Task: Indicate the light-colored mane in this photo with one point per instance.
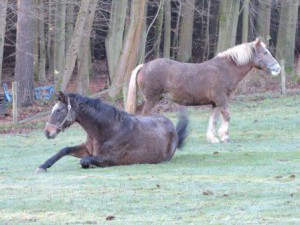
(240, 54)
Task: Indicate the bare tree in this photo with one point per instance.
(84, 52)
(245, 21)
(70, 21)
(228, 19)
(24, 70)
(158, 28)
(49, 46)
(186, 31)
(264, 19)
(75, 44)
(128, 58)
(59, 42)
(3, 9)
(287, 33)
(167, 28)
(114, 40)
(42, 48)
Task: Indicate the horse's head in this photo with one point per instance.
(263, 59)
(62, 116)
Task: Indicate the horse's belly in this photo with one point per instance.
(188, 99)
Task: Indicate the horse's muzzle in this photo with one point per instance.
(275, 70)
(50, 135)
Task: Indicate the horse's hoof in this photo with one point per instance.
(213, 140)
(85, 163)
(40, 170)
(226, 141)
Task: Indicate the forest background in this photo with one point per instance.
(91, 46)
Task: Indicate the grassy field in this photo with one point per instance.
(255, 179)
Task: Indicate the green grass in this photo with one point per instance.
(255, 179)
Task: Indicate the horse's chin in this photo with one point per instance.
(274, 73)
(51, 137)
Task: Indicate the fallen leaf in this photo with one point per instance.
(208, 192)
(110, 217)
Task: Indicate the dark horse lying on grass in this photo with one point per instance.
(208, 83)
(114, 137)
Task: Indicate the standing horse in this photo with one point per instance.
(114, 137)
(208, 83)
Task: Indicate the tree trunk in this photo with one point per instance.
(83, 57)
(129, 55)
(42, 51)
(167, 28)
(176, 32)
(24, 70)
(245, 21)
(264, 20)
(287, 33)
(142, 46)
(207, 38)
(59, 45)
(3, 10)
(70, 21)
(158, 28)
(186, 31)
(228, 19)
(36, 39)
(114, 40)
(75, 44)
(49, 46)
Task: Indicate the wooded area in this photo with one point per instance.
(60, 42)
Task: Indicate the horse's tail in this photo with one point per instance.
(132, 91)
(181, 128)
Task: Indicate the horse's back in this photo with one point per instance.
(184, 83)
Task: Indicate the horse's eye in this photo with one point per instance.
(265, 52)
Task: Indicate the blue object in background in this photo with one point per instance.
(7, 95)
(44, 92)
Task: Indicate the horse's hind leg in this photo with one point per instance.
(100, 161)
(224, 129)
(212, 123)
(149, 104)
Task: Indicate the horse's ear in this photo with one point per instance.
(61, 96)
(258, 42)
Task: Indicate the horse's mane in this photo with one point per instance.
(240, 54)
(97, 105)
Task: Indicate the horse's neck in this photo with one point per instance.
(96, 124)
(238, 71)
(242, 71)
(89, 124)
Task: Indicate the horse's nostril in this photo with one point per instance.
(47, 134)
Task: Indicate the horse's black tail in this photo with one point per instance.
(181, 127)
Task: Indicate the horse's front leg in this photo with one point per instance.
(224, 129)
(212, 123)
(77, 151)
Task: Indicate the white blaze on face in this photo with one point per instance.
(55, 107)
